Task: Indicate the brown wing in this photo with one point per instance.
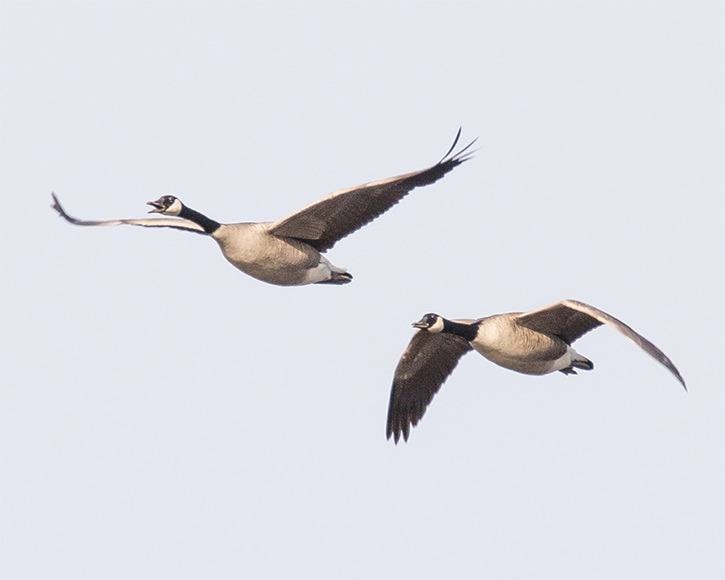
(561, 320)
(327, 221)
(423, 368)
(164, 222)
(571, 319)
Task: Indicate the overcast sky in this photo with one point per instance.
(162, 415)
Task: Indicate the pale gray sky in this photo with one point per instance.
(164, 416)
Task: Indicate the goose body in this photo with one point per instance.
(504, 341)
(288, 252)
(256, 251)
(537, 342)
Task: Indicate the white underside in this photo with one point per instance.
(565, 360)
(322, 272)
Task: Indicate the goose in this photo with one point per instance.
(288, 252)
(537, 342)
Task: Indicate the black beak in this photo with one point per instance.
(157, 207)
(420, 324)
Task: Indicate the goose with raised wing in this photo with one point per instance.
(534, 343)
(288, 252)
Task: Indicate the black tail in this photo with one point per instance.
(579, 363)
(583, 363)
(338, 278)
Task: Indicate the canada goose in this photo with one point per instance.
(288, 252)
(534, 343)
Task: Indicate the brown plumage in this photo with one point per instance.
(536, 342)
(423, 368)
(325, 222)
(288, 252)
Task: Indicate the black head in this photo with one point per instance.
(430, 322)
(166, 204)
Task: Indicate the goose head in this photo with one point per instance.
(166, 204)
(430, 322)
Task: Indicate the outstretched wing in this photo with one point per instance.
(425, 365)
(166, 222)
(327, 221)
(571, 319)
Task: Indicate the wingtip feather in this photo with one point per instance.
(453, 146)
(682, 381)
(56, 203)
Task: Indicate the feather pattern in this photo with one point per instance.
(288, 252)
(165, 222)
(325, 222)
(537, 342)
(425, 365)
(571, 319)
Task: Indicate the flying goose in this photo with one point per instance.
(534, 343)
(288, 252)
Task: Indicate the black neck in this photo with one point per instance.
(467, 331)
(209, 225)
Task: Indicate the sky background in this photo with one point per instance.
(162, 415)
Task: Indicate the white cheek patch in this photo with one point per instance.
(174, 208)
(437, 326)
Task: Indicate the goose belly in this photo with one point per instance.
(279, 261)
(529, 365)
(522, 350)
